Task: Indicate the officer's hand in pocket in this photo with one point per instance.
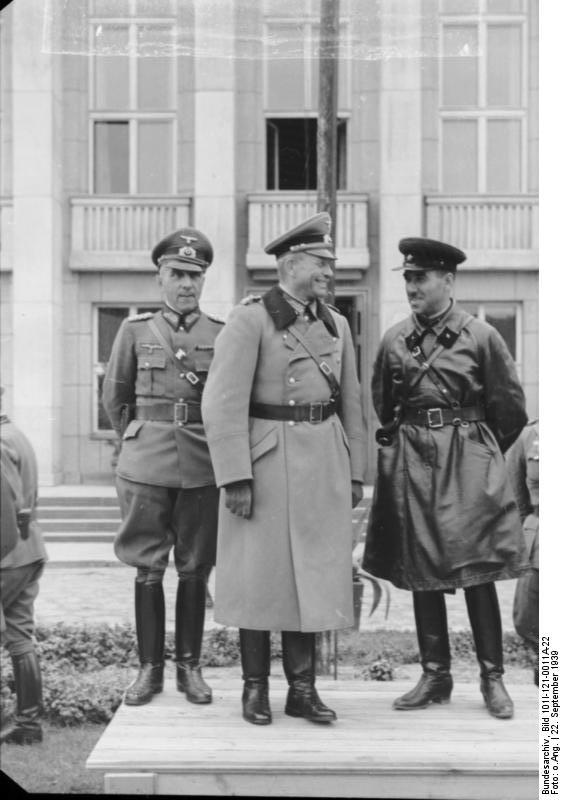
(239, 497)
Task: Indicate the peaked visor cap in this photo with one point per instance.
(422, 254)
(186, 245)
(312, 236)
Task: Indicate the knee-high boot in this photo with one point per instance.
(255, 651)
(299, 662)
(190, 606)
(435, 684)
(150, 631)
(26, 725)
(485, 618)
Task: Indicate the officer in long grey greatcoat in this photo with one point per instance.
(285, 430)
(447, 394)
(152, 395)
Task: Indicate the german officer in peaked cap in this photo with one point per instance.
(447, 395)
(165, 482)
(285, 430)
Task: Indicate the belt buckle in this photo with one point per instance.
(180, 413)
(439, 421)
(316, 413)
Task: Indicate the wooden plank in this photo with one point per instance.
(370, 751)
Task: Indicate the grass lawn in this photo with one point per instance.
(57, 765)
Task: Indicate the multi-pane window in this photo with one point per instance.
(292, 95)
(483, 91)
(292, 65)
(107, 320)
(133, 96)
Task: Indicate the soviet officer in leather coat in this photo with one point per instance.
(165, 482)
(450, 403)
(285, 430)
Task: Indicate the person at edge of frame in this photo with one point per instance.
(523, 462)
(285, 429)
(165, 483)
(23, 561)
(443, 516)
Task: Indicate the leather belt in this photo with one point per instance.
(305, 412)
(180, 413)
(437, 417)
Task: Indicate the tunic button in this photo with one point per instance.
(291, 402)
(334, 338)
(181, 374)
(146, 363)
(180, 424)
(292, 380)
(291, 423)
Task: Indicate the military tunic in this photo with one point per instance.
(159, 455)
(288, 567)
(140, 373)
(443, 514)
(22, 567)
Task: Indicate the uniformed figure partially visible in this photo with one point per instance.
(20, 572)
(165, 482)
(285, 430)
(450, 403)
(523, 461)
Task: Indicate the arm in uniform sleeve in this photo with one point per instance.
(381, 385)
(120, 379)
(516, 464)
(12, 500)
(225, 402)
(505, 406)
(351, 408)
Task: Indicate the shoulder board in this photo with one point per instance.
(332, 308)
(251, 298)
(212, 318)
(139, 317)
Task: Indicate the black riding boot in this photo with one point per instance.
(150, 631)
(189, 627)
(435, 684)
(255, 650)
(26, 725)
(299, 662)
(485, 618)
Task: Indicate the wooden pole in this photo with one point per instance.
(327, 196)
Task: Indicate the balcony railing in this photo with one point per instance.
(273, 213)
(118, 231)
(6, 224)
(495, 231)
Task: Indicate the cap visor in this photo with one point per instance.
(182, 264)
(411, 268)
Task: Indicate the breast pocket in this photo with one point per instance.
(151, 369)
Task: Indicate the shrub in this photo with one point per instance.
(378, 671)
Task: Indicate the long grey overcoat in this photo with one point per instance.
(289, 566)
(444, 513)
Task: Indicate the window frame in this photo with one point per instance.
(133, 115)
(308, 21)
(482, 113)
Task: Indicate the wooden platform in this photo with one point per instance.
(451, 752)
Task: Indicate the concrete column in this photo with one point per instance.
(214, 195)
(400, 143)
(37, 237)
